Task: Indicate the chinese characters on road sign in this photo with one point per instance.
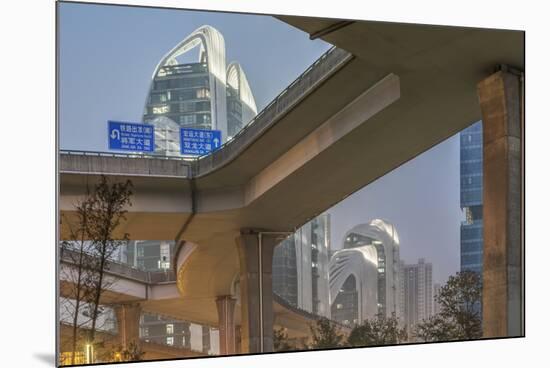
(140, 137)
(199, 142)
(131, 136)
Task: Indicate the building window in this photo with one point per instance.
(188, 119)
(170, 340)
(161, 109)
(187, 106)
(170, 330)
(203, 93)
(145, 331)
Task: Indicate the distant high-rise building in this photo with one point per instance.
(300, 267)
(364, 274)
(416, 292)
(149, 255)
(206, 94)
(471, 198)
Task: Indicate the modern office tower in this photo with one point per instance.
(206, 94)
(417, 292)
(241, 107)
(364, 274)
(300, 267)
(437, 306)
(471, 198)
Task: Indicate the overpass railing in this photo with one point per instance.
(319, 71)
(301, 87)
(122, 270)
(124, 155)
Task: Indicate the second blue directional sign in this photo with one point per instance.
(126, 136)
(199, 142)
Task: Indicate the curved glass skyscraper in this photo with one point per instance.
(364, 275)
(206, 94)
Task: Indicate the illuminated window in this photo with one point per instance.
(161, 109)
(203, 93)
(170, 330)
(170, 340)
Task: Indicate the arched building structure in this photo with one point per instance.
(364, 274)
(196, 95)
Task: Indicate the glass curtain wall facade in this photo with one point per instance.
(300, 267)
(471, 198)
(181, 93)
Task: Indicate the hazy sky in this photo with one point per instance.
(107, 57)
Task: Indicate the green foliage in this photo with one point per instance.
(377, 331)
(325, 335)
(280, 340)
(132, 352)
(459, 318)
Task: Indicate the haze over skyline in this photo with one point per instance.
(107, 56)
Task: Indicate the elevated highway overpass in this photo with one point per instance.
(140, 291)
(388, 93)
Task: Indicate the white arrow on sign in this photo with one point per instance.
(216, 141)
(115, 134)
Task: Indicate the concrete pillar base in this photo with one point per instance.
(256, 327)
(128, 316)
(226, 321)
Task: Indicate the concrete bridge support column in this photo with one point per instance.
(238, 339)
(256, 311)
(226, 323)
(128, 316)
(501, 101)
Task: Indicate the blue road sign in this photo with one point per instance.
(199, 141)
(126, 136)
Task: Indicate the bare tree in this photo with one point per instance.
(107, 209)
(86, 254)
(79, 274)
